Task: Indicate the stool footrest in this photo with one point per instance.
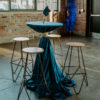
(14, 60)
(59, 54)
(17, 64)
(75, 73)
(73, 66)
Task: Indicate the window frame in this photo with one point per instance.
(35, 9)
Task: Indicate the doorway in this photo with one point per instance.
(95, 19)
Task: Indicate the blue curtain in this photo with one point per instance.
(56, 81)
(70, 15)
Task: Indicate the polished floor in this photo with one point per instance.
(9, 90)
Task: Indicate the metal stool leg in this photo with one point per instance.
(25, 70)
(78, 64)
(77, 92)
(20, 90)
(21, 50)
(31, 57)
(43, 74)
(84, 73)
(17, 65)
(79, 67)
(16, 71)
(61, 52)
(24, 78)
(21, 60)
(13, 51)
(70, 62)
(12, 61)
(53, 41)
(66, 59)
(86, 80)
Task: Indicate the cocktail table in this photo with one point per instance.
(56, 81)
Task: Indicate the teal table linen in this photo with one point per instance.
(57, 83)
(44, 27)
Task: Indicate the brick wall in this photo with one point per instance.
(12, 24)
(80, 25)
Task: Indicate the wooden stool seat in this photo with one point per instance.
(21, 39)
(75, 44)
(54, 36)
(33, 50)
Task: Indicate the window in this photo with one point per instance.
(22, 4)
(53, 4)
(41, 4)
(6, 5)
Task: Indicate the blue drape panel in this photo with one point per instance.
(56, 81)
(70, 21)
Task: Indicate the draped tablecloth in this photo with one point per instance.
(57, 83)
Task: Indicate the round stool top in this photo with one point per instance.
(21, 39)
(75, 44)
(33, 50)
(54, 36)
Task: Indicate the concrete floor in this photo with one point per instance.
(9, 90)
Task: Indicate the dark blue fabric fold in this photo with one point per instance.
(70, 21)
(56, 81)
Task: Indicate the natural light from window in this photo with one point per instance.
(6, 5)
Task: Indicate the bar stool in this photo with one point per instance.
(30, 50)
(80, 68)
(17, 62)
(53, 37)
